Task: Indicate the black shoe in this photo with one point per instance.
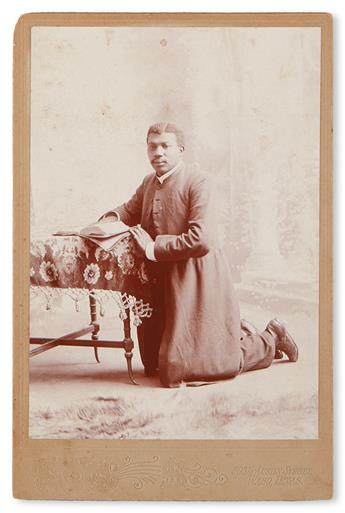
(250, 329)
(278, 355)
(285, 342)
(150, 372)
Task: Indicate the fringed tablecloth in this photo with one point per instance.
(77, 267)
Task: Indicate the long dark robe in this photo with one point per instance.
(198, 326)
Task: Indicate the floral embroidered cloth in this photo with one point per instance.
(79, 265)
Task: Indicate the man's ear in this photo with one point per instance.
(181, 148)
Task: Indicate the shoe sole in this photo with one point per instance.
(289, 339)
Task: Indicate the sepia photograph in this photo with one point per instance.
(174, 232)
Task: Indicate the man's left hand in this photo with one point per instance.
(141, 236)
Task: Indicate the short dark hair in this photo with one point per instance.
(164, 127)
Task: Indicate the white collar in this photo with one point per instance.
(162, 178)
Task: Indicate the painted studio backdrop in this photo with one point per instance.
(248, 100)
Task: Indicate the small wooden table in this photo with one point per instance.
(74, 264)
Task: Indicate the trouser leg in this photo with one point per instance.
(151, 330)
(149, 337)
(257, 351)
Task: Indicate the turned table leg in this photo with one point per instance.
(128, 345)
(93, 313)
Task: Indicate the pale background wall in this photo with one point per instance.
(248, 99)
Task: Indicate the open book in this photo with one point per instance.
(105, 234)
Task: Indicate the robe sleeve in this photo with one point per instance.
(129, 212)
(196, 241)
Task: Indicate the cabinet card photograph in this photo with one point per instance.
(173, 211)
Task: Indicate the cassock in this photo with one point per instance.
(194, 334)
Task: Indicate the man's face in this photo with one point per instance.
(163, 152)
